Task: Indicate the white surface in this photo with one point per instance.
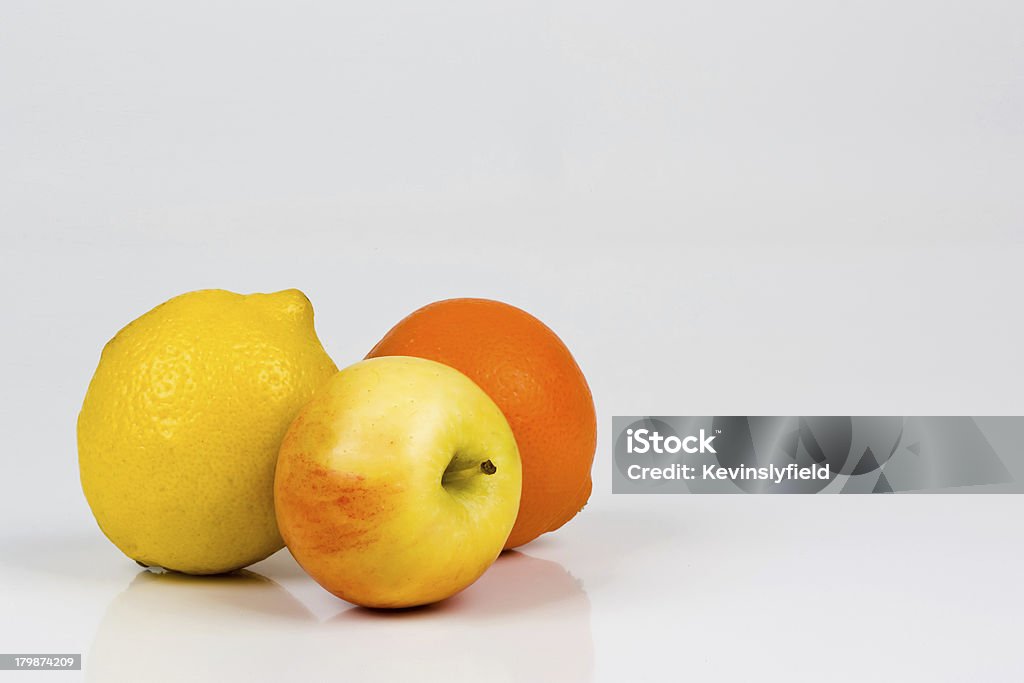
(723, 208)
(713, 588)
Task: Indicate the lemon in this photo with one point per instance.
(181, 424)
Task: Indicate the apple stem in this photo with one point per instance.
(462, 474)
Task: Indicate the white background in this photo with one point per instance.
(722, 207)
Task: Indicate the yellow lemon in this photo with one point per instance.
(180, 428)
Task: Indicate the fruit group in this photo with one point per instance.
(180, 427)
(398, 483)
(535, 381)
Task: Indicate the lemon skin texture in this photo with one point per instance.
(180, 427)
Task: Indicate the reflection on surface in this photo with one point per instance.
(174, 627)
(526, 619)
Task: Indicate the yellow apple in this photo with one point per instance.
(398, 483)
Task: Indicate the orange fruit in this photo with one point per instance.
(530, 374)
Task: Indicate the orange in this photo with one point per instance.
(530, 374)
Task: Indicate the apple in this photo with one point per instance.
(398, 483)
